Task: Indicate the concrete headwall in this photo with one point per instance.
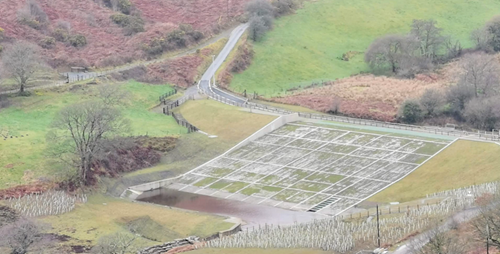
(134, 191)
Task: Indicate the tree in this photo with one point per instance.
(19, 236)
(488, 222)
(439, 243)
(482, 39)
(283, 7)
(385, 52)
(410, 111)
(21, 61)
(257, 28)
(112, 95)
(118, 243)
(431, 101)
(259, 8)
(458, 96)
(82, 128)
(493, 29)
(429, 36)
(483, 113)
(480, 71)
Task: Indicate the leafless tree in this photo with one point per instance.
(33, 11)
(82, 127)
(483, 113)
(257, 28)
(458, 96)
(385, 51)
(439, 243)
(20, 62)
(431, 101)
(283, 7)
(493, 29)
(20, 236)
(118, 243)
(453, 47)
(482, 39)
(488, 223)
(112, 95)
(396, 52)
(480, 71)
(428, 35)
(259, 8)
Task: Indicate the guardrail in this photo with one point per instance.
(163, 98)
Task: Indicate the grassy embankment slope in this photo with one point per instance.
(230, 124)
(305, 47)
(23, 159)
(103, 216)
(462, 164)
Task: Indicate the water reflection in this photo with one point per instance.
(251, 214)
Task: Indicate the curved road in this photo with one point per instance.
(205, 84)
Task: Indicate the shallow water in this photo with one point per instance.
(252, 214)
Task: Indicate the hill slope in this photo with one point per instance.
(305, 47)
(92, 19)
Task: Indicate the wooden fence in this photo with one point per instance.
(163, 97)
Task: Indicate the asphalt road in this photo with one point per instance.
(205, 83)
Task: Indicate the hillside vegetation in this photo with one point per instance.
(307, 47)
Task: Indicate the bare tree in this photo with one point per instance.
(259, 8)
(20, 236)
(431, 101)
(488, 223)
(20, 62)
(257, 28)
(453, 47)
(439, 243)
(480, 71)
(112, 95)
(118, 243)
(458, 96)
(493, 29)
(483, 113)
(429, 36)
(283, 7)
(482, 39)
(83, 127)
(385, 52)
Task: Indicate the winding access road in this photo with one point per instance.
(205, 84)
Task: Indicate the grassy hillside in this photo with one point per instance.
(462, 164)
(305, 47)
(25, 158)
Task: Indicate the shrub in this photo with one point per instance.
(2, 34)
(60, 35)
(63, 24)
(243, 58)
(257, 28)
(48, 42)
(33, 15)
(77, 40)
(431, 101)
(483, 113)
(283, 7)
(125, 6)
(131, 24)
(410, 112)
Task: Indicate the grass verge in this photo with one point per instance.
(462, 164)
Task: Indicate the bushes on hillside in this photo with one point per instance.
(47, 42)
(131, 24)
(284, 7)
(177, 38)
(33, 15)
(475, 99)
(60, 35)
(77, 40)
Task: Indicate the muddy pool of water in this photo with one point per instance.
(252, 214)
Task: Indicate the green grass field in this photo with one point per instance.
(23, 159)
(305, 47)
(462, 164)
